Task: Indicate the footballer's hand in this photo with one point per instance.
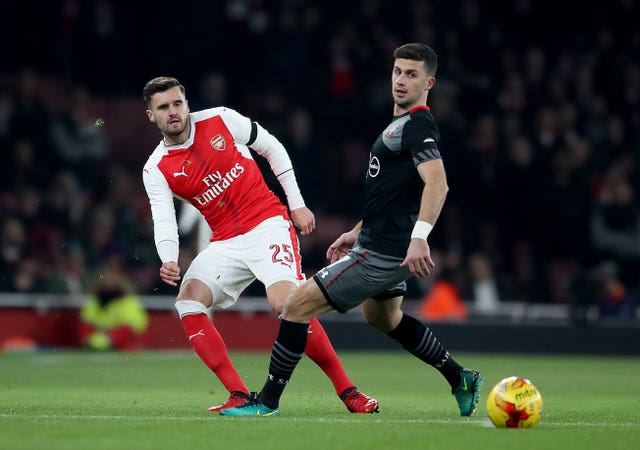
(304, 219)
(170, 273)
(418, 258)
(341, 246)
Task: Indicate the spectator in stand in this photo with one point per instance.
(483, 285)
(614, 299)
(27, 278)
(615, 227)
(13, 251)
(113, 318)
(28, 170)
(79, 144)
(30, 117)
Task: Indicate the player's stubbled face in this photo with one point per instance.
(408, 83)
(170, 111)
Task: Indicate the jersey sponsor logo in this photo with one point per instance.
(374, 166)
(216, 183)
(218, 143)
(182, 173)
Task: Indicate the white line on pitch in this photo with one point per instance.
(480, 422)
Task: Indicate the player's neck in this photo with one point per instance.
(400, 110)
(178, 139)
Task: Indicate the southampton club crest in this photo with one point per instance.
(218, 142)
(391, 129)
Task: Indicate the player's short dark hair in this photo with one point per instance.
(159, 84)
(419, 52)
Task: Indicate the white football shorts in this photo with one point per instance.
(270, 253)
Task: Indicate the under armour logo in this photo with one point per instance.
(199, 333)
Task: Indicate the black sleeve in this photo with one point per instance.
(422, 139)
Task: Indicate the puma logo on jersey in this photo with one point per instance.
(178, 174)
(183, 173)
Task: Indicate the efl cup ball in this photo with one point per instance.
(514, 403)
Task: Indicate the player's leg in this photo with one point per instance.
(301, 306)
(338, 286)
(419, 340)
(191, 304)
(215, 278)
(274, 258)
(320, 350)
(412, 334)
(305, 303)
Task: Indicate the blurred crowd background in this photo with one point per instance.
(538, 104)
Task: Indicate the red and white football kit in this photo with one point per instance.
(214, 171)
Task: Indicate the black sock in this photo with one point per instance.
(417, 338)
(287, 351)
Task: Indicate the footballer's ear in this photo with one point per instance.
(430, 82)
(150, 115)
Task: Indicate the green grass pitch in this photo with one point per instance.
(157, 400)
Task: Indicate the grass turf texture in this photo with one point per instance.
(157, 400)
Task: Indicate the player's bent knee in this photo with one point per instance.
(277, 307)
(196, 290)
(277, 294)
(305, 303)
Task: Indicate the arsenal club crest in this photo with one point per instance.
(218, 142)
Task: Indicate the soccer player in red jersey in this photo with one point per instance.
(204, 159)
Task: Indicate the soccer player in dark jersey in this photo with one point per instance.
(406, 186)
